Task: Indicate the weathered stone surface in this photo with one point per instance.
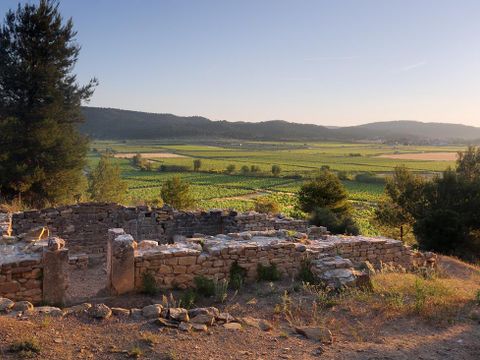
(212, 311)
(117, 311)
(77, 309)
(199, 327)
(48, 310)
(224, 317)
(5, 304)
(152, 311)
(205, 319)
(136, 314)
(320, 334)
(165, 323)
(55, 276)
(100, 311)
(257, 323)
(178, 314)
(35, 234)
(121, 264)
(184, 326)
(55, 243)
(147, 244)
(233, 326)
(22, 306)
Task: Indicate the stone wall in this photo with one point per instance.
(177, 265)
(85, 226)
(374, 250)
(22, 279)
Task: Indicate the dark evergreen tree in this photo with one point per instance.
(42, 154)
(326, 200)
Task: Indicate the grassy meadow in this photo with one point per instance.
(214, 188)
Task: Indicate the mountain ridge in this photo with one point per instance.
(117, 124)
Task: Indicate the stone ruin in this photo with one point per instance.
(174, 247)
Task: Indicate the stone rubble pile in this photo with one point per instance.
(334, 271)
(197, 319)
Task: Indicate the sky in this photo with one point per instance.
(336, 62)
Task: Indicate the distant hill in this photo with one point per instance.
(106, 123)
(124, 124)
(411, 129)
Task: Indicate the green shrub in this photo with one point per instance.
(267, 273)
(173, 168)
(221, 292)
(276, 170)
(135, 352)
(237, 276)
(305, 274)
(204, 286)
(245, 170)
(26, 348)
(477, 297)
(187, 299)
(149, 284)
(230, 169)
(343, 175)
(266, 205)
(254, 169)
(369, 178)
(335, 223)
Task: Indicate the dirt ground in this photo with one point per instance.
(434, 156)
(360, 330)
(86, 283)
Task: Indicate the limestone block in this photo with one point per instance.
(121, 265)
(55, 276)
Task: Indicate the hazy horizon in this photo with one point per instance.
(319, 62)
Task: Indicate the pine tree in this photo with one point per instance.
(105, 183)
(176, 192)
(42, 153)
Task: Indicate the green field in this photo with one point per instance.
(213, 188)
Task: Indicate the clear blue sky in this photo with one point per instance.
(335, 62)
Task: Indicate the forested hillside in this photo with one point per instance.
(102, 123)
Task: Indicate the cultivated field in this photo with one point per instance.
(214, 188)
(436, 156)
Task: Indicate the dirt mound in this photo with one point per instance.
(457, 268)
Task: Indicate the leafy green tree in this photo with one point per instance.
(105, 183)
(197, 164)
(244, 170)
(325, 191)
(137, 159)
(230, 169)
(141, 163)
(326, 199)
(406, 190)
(449, 221)
(276, 170)
(42, 154)
(254, 169)
(468, 164)
(404, 194)
(176, 193)
(443, 211)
